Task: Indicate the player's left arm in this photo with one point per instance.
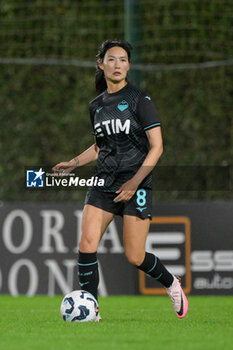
(127, 190)
(156, 149)
(149, 119)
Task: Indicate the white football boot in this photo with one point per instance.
(178, 298)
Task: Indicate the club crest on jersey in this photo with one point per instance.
(123, 105)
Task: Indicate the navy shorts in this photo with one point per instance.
(140, 205)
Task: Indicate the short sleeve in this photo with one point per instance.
(147, 112)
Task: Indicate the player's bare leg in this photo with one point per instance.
(135, 233)
(94, 224)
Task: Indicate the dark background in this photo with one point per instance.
(183, 52)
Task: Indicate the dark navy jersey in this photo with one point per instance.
(119, 122)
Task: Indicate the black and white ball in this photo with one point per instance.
(79, 306)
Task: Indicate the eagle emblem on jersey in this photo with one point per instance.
(123, 105)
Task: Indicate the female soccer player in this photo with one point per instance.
(128, 144)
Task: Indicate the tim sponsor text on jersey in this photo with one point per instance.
(112, 126)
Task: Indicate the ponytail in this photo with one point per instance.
(100, 82)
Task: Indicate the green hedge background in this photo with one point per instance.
(44, 115)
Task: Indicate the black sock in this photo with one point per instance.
(88, 272)
(152, 266)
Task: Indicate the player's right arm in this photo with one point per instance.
(88, 156)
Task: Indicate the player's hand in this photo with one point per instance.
(126, 191)
(63, 168)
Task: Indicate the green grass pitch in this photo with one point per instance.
(129, 322)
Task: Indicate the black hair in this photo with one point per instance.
(100, 82)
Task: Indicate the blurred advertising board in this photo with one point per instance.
(38, 249)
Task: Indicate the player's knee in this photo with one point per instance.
(87, 244)
(134, 258)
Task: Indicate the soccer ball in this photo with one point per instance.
(79, 306)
